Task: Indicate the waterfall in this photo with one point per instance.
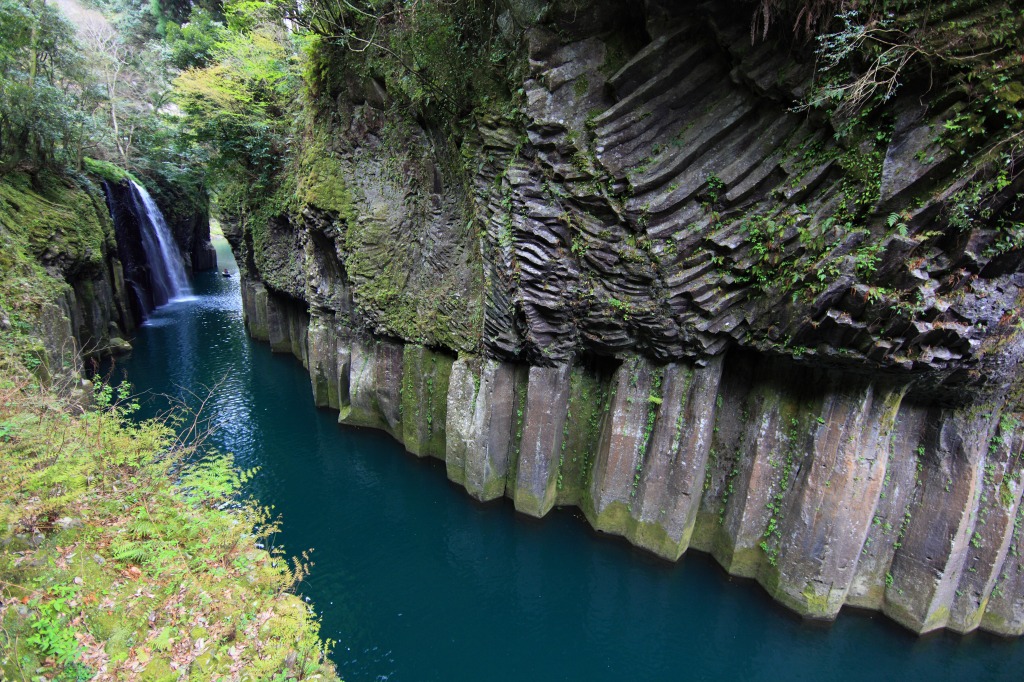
(167, 271)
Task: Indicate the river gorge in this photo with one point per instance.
(579, 340)
(417, 581)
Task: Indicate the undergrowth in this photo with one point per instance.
(119, 560)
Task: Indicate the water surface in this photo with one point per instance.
(419, 583)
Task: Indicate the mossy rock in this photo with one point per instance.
(56, 221)
(321, 183)
(108, 171)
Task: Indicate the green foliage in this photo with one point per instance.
(40, 116)
(772, 535)
(973, 48)
(194, 43)
(895, 220)
(972, 209)
(52, 635)
(72, 89)
(122, 513)
(866, 260)
(434, 63)
(236, 107)
(715, 189)
(771, 266)
(439, 57)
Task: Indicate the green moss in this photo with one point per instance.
(512, 475)
(614, 518)
(354, 413)
(54, 216)
(994, 621)
(587, 394)
(390, 291)
(810, 602)
(494, 487)
(705, 529)
(425, 378)
(936, 619)
(654, 537)
(321, 182)
(456, 475)
(617, 519)
(531, 505)
(744, 561)
(109, 171)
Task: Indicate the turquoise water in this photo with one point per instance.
(417, 582)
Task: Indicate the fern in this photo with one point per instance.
(211, 480)
(143, 529)
(896, 220)
(128, 551)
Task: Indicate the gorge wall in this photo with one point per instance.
(643, 285)
(828, 490)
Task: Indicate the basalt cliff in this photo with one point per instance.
(647, 282)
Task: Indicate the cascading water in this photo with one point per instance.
(167, 271)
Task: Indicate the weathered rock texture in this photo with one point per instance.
(646, 287)
(826, 489)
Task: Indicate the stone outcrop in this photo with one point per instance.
(646, 287)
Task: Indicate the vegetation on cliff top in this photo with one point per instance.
(77, 83)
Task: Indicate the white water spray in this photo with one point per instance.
(167, 271)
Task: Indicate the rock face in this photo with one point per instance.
(649, 289)
(827, 490)
(84, 308)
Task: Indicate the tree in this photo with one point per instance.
(431, 54)
(236, 105)
(40, 74)
(192, 45)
